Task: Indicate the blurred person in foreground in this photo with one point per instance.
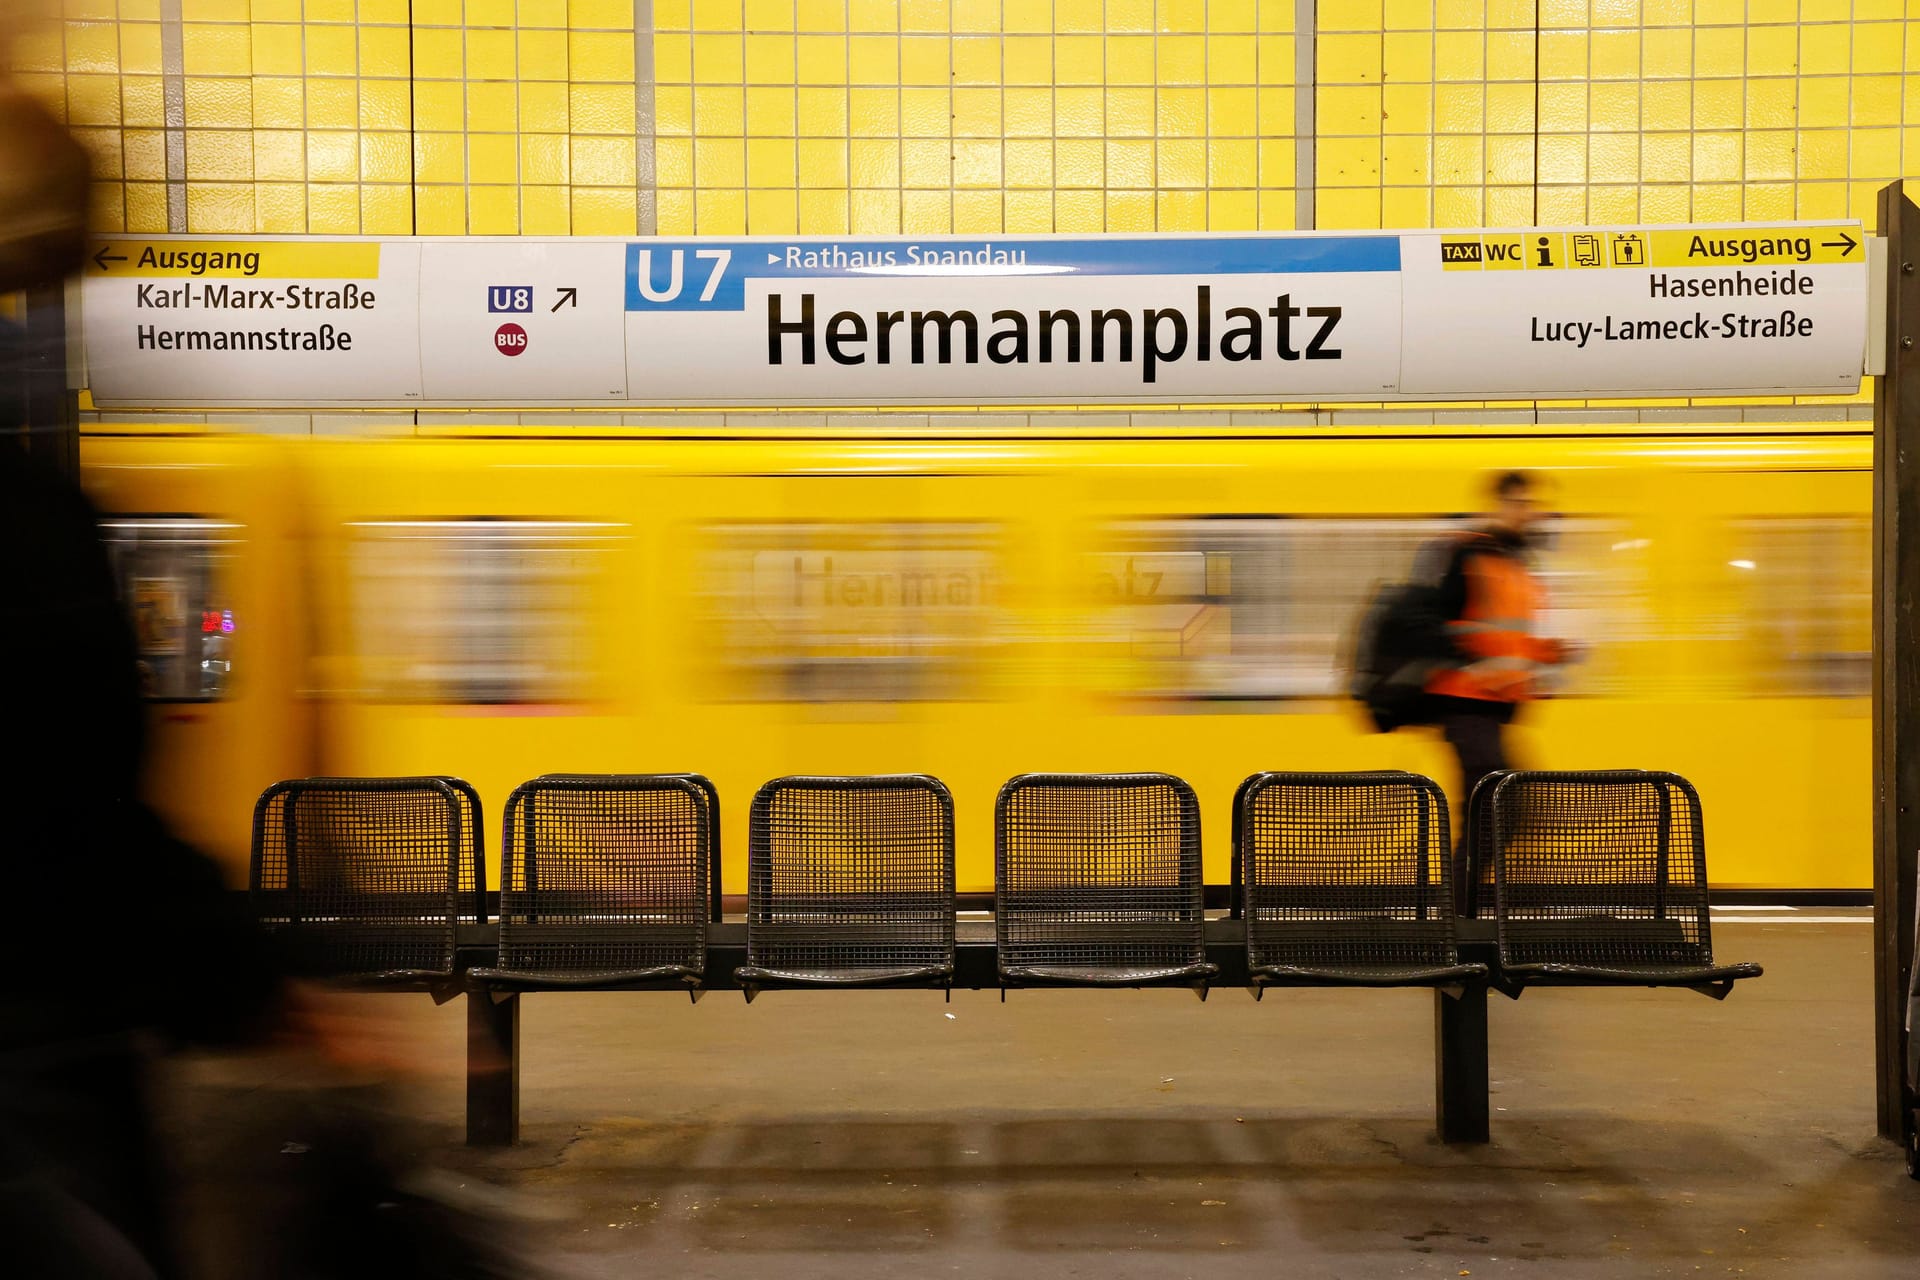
(1492, 604)
(121, 939)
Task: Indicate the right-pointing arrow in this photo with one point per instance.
(773, 259)
(1846, 244)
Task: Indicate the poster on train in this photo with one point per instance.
(949, 320)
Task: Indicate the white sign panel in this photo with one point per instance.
(949, 320)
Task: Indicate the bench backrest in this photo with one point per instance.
(366, 876)
(1345, 869)
(1098, 871)
(851, 873)
(1599, 868)
(606, 874)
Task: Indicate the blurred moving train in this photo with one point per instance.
(498, 608)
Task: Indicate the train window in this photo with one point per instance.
(172, 574)
(831, 612)
(474, 611)
(1265, 607)
(1807, 589)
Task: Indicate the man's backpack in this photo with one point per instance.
(1402, 641)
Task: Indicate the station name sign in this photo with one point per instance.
(1430, 315)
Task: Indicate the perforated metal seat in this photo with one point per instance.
(607, 882)
(1473, 873)
(1097, 881)
(364, 880)
(850, 883)
(1345, 878)
(1600, 879)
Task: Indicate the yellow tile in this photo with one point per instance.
(873, 162)
(1876, 154)
(1406, 106)
(1278, 162)
(1876, 101)
(1129, 164)
(542, 55)
(875, 212)
(140, 50)
(1562, 206)
(386, 210)
(332, 51)
(226, 103)
(1026, 112)
(219, 206)
(823, 112)
(439, 157)
(1821, 200)
(545, 211)
(926, 212)
(1181, 211)
(1823, 102)
(823, 59)
(385, 157)
(1347, 111)
(770, 112)
(1347, 162)
(1180, 59)
(823, 213)
(1181, 113)
(716, 15)
(717, 59)
(1275, 57)
(1717, 203)
(1181, 162)
(823, 162)
(280, 208)
(1822, 154)
(873, 15)
(603, 211)
(1458, 55)
(672, 58)
(772, 213)
(925, 162)
(385, 104)
(492, 158)
(1614, 204)
(1129, 113)
(143, 154)
(1615, 55)
(1079, 60)
(717, 162)
(1406, 161)
(1130, 211)
(1666, 157)
(276, 50)
(490, 55)
(1509, 206)
(1232, 113)
(1407, 57)
(1028, 163)
(44, 49)
(873, 60)
(1232, 59)
(1459, 108)
(1563, 55)
(333, 156)
(1129, 60)
(618, 14)
(594, 108)
(673, 162)
(543, 158)
(1233, 162)
(672, 110)
(975, 113)
(976, 163)
(493, 211)
(1027, 212)
(1772, 104)
(543, 109)
(1511, 107)
(219, 155)
(770, 162)
(1663, 105)
(492, 107)
(93, 100)
(385, 52)
(1458, 161)
(1082, 162)
(1079, 211)
(1510, 55)
(1876, 46)
(1278, 210)
(719, 108)
(1666, 54)
(975, 15)
(277, 103)
(1771, 51)
(437, 211)
(1824, 48)
(147, 206)
(1718, 104)
(925, 60)
(1027, 60)
(1347, 209)
(1233, 211)
(426, 13)
(606, 57)
(1563, 13)
(1716, 157)
(925, 113)
(1406, 207)
(873, 113)
(438, 54)
(218, 50)
(1613, 158)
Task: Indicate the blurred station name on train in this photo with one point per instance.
(1587, 312)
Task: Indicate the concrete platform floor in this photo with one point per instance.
(1121, 1134)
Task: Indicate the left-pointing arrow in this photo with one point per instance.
(102, 258)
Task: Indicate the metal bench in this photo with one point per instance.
(606, 883)
(849, 883)
(1600, 879)
(1345, 879)
(366, 880)
(1097, 881)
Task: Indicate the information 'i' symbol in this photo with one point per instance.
(1545, 252)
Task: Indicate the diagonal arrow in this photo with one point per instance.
(1846, 244)
(569, 297)
(102, 258)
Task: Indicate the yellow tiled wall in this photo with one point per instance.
(724, 116)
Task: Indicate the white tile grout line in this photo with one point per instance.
(1305, 40)
(173, 84)
(646, 184)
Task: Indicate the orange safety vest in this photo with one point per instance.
(1496, 631)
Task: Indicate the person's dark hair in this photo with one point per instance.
(1508, 483)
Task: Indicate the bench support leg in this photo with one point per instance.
(1461, 1097)
(493, 1069)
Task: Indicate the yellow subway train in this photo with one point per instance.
(498, 608)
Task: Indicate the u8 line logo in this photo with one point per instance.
(509, 297)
